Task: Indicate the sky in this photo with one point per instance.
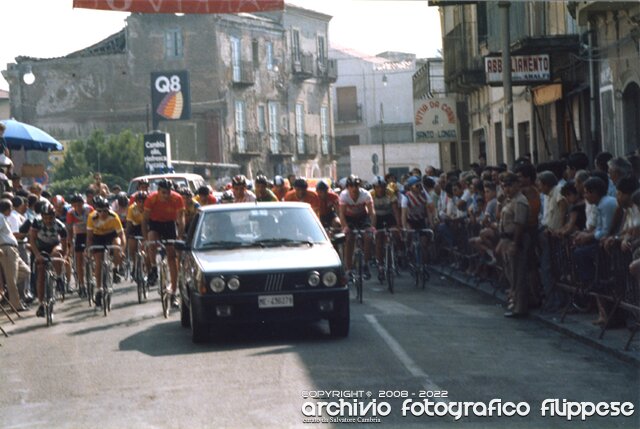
(52, 28)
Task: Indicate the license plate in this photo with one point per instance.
(275, 301)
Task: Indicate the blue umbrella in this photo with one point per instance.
(24, 136)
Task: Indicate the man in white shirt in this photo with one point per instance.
(13, 267)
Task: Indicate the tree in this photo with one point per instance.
(117, 157)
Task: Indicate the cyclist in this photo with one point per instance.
(329, 206)
(417, 210)
(240, 192)
(191, 206)
(385, 203)
(143, 185)
(47, 234)
(356, 212)
(103, 229)
(61, 207)
(77, 217)
(263, 193)
(135, 213)
(280, 187)
(204, 196)
(120, 206)
(300, 193)
(163, 214)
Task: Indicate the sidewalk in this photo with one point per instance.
(577, 326)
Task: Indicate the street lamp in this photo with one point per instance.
(384, 161)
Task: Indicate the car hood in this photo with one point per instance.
(267, 259)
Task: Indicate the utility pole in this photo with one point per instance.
(506, 81)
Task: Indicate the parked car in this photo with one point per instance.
(192, 181)
(261, 262)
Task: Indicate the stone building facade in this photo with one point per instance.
(259, 86)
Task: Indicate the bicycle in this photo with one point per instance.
(51, 284)
(164, 278)
(418, 267)
(390, 267)
(139, 271)
(107, 278)
(358, 258)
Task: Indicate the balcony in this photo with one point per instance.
(349, 116)
(328, 70)
(463, 70)
(280, 146)
(247, 145)
(327, 144)
(242, 75)
(584, 10)
(302, 67)
(307, 147)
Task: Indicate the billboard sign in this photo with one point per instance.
(157, 153)
(170, 97)
(524, 69)
(435, 120)
(182, 6)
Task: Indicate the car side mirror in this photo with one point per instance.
(338, 238)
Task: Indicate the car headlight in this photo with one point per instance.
(233, 283)
(314, 279)
(217, 284)
(329, 279)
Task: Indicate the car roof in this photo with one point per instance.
(249, 206)
(169, 176)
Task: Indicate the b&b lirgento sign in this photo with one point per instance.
(157, 153)
(524, 69)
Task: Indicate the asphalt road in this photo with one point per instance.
(135, 369)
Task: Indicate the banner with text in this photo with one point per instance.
(182, 6)
(436, 120)
(157, 153)
(524, 69)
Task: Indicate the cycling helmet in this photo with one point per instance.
(123, 199)
(412, 180)
(227, 197)
(143, 182)
(204, 190)
(100, 202)
(262, 179)
(300, 182)
(278, 181)
(76, 198)
(239, 180)
(353, 180)
(378, 181)
(322, 185)
(141, 195)
(57, 200)
(164, 184)
(48, 209)
(186, 192)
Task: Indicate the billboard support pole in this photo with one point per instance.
(506, 77)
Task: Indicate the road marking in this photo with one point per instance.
(402, 355)
(392, 307)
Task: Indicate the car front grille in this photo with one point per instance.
(274, 282)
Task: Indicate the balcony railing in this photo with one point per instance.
(463, 66)
(249, 144)
(351, 116)
(328, 70)
(242, 74)
(302, 67)
(280, 145)
(307, 146)
(327, 145)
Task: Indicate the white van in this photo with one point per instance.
(190, 180)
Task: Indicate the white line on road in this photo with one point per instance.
(402, 355)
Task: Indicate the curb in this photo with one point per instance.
(552, 321)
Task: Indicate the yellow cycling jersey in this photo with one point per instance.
(104, 226)
(135, 213)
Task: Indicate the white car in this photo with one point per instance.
(190, 180)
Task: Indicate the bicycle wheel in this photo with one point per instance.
(417, 260)
(389, 267)
(48, 297)
(163, 283)
(359, 275)
(89, 281)
(138, 278)
(105, 299)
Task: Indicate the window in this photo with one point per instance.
(270, 62)
(274, 139)
(321, 50)
(300, 127)
(235, 58)
(256, 54)
(295, 45)
(240, 126)
(324, 129)
(262, 126)
(347, 104)
(173, 43)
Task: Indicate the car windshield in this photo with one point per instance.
(264, 227)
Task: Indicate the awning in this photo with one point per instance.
(547, 94)
(182, 6)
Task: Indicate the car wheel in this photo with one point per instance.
(185, 316)
(339, 325)
(197, 331)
